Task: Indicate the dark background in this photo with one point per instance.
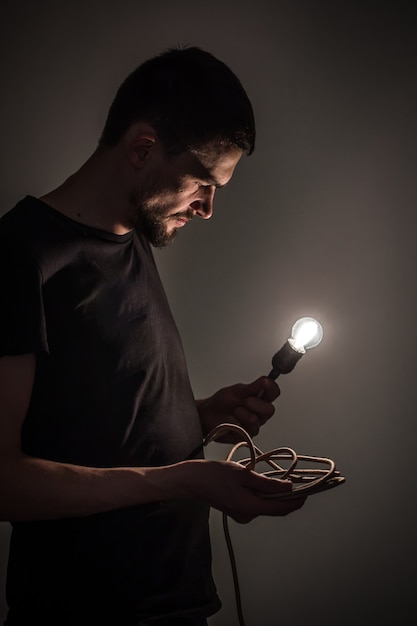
(321, 221)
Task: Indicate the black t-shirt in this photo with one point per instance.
(111, 389)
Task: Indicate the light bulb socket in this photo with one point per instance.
(284, 360)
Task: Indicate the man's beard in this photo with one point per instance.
(152, 219)
(153, 225)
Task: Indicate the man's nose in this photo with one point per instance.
(204, 206)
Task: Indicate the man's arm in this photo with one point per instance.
(34, 489)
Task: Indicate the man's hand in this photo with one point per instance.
(237, 491)
(247, 405)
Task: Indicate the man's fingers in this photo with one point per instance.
(248, 420)
(263, 387)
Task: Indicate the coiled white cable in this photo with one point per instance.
(306, 480)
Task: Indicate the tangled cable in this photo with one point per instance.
(284, 464)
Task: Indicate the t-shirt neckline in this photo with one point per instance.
(87, 230)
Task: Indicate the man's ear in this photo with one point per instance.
(140, 149)
(140, 143)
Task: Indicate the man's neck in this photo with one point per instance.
(94, 195)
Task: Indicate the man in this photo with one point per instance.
(102, 472)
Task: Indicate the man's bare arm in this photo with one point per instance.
(34, 489)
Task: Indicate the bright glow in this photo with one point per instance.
(305, 334)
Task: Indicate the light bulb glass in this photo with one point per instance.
(306, 333)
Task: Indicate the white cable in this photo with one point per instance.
(285, 465)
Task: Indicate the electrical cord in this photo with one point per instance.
(285, 464)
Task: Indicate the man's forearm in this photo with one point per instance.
(35, 489)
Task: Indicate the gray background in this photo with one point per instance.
(321, 221)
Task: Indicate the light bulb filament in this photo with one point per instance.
(305, 334)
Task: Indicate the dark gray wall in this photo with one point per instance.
(320, 220)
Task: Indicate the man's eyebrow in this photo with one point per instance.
(210, 180)
(215, 183)
(205, 175)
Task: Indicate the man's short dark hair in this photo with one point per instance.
(190, 97)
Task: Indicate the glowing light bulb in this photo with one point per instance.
(306, 333)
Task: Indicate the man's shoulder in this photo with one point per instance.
(31, 232)
(23, 214)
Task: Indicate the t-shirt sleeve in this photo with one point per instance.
(22, 319)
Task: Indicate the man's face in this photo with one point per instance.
(178, 188)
